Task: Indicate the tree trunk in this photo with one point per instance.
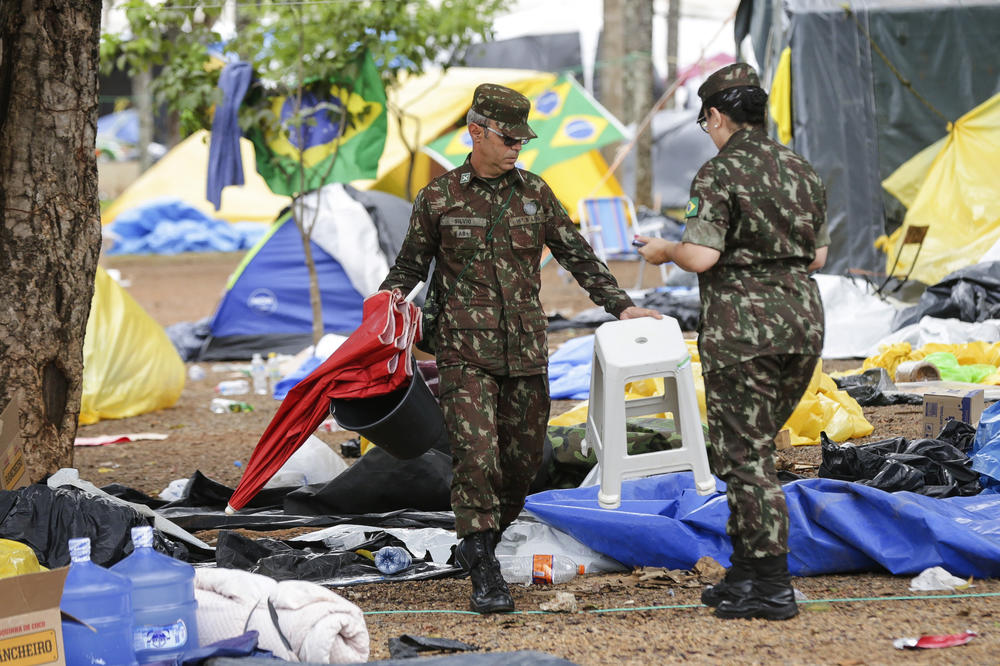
(611, 67)
(639, 94)
(50, 230)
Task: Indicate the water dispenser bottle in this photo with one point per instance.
(102, 599)
(164, 609)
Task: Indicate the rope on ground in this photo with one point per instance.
(841, 600)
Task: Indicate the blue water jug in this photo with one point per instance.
(102, 599)
(164, 610)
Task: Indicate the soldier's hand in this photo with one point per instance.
(634, 312)
(655, 250)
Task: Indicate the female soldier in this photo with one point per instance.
(756, 227)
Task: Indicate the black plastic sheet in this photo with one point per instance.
(202, 507)
(970, 294)
(932, 467)
(315, 562)
(47, 518)
(874, 388)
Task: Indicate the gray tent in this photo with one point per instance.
(679, 150)
(855, 118)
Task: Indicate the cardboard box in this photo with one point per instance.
(13, 472)
(30, 621)
(945, 404)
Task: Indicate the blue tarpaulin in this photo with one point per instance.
(835, 526)
(569, 369)
(168, 226)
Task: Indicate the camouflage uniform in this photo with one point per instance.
(761, 330)
(492, 350)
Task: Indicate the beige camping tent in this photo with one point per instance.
(183, 172)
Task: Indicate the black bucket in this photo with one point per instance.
(405, 423)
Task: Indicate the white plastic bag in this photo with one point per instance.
(937, 578)
(314, 462)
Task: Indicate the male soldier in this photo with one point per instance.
(485, 224)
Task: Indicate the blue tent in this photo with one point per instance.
(266, 305)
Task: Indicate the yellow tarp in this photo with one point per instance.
(823, 408)
(780, 98)
(958, 199)
(423, 107)
(130, 366)
(966, 353)
(183, 173)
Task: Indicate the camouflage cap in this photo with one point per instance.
(730, 76)
(507, 107)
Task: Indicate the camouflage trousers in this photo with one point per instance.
(496, 426)
(747, 405)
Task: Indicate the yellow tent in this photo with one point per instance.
(183, 172)
(952, 188)
(423, 107)
(130, 366)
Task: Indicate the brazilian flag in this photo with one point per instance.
(341, 141)
(567, 119)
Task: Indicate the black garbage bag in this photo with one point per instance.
(315, 562)
(959, 434)
(896, 475)
(927, 466)
(874, 388)
(47, 518)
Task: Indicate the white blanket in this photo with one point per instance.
(296, 620)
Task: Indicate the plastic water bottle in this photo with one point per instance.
(222, 406)
(392, 559)
(539, 569)
(233, 387)
(164, 609)
(196, 373)
(102, 599)
(273, 369)
(258, 373)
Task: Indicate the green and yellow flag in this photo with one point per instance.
(568, 122)
(341, 141)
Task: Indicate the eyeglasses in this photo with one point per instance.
(508, 141)
(703, 124)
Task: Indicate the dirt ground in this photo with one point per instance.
(622, 618)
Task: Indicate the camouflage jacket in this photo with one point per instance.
(493, 318)
(764, 208)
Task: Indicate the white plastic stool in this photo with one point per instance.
(626, 351)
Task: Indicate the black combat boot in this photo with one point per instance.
(771, 596)
(489, 589)
(737, 582)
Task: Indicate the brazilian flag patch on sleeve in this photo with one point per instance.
(692, 207)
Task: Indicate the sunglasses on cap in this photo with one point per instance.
(508, 141)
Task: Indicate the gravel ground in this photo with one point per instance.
(641, 617)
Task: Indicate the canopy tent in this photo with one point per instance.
(872, 83)
(182, 174)
(356, 236)
(680, 148)
(130, 366)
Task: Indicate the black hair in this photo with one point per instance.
(743, 104)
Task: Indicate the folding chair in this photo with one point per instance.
(609, 224)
